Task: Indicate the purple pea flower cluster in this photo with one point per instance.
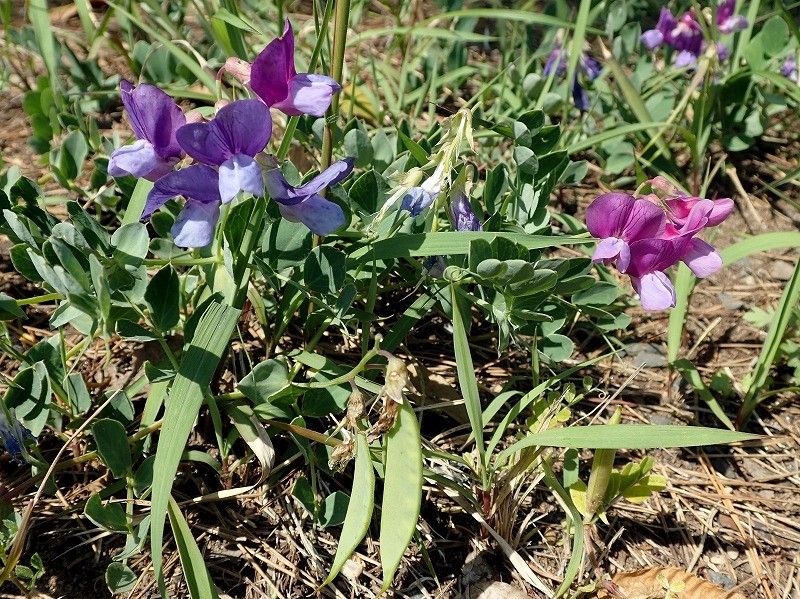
(587, 65)
(685, 35)
(225, 148)
(644, 236)
(789, 69)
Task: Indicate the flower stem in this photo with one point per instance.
(340, 22)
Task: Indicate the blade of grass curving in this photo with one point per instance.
(684, 283)
(503, 14)
(194, 567)
(43, 31)
(87, 21)
(777, 329)
(359, 510)
(743, 38)
(466, 377)
(763, 242)
(627, 436)
(578, 39)
(608, 134)
(181, 56)
(453, 243)
(421, 306)
(197, 367)
(692, 376)
(136, 204)
(402, 491)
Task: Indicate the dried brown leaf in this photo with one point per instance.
(665, 583)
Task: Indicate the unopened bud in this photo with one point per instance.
(396, 379)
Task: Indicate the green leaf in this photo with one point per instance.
(324, 269)
(78, 395)
(120, 578)
(29, 395)
(334, 509)
(163, 299)
(194, 567)
(9, 310)
(359, 509)
(134, 331)
(775, 35)
(131, 244)
(627, 436)
(112, 445)
(402, 491)
(110, 516)
(452, 243)
(198, 364)
(264, 381)
(71, 155)
(136, 204)
(601, 294)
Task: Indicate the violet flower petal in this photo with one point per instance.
(194, 227)
(153, 116)
(612, 250)
(416, 200)
(274, 67)
(308, 94)
(200, 142)
(240, 173)
(463, 216)
(655, 291)
(621, 215)
(139, 159)
(315, 212)
(283, 193)
(702, 258)
(652, 39)
(579, 96)
(685, 58)
(242, 127)
(197, 182)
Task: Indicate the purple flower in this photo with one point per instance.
(689, 216)
(274, 79)
(619, 219)
(230, 140)
(461, 212)
(13, 434)
(727, 22)
(305, 204)
(154, 118)
(649, 259)
(195, 224)
(587, 65)
(789, 68)
(416, 200)
(662, 33)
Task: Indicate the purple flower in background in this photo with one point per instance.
(195, 224)
(789, 68)
(461, 212)
(274, 79)
(727, 22)
(13, 434)
(230, 140)
(619, 220)
(587, 65)
(305, 204)
(662, 33)
(154, 118)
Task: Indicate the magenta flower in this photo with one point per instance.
(649, 259)
(230, 141)
(727, 22)
(305, 204)
(274, 79)
(618, 220)
(154, 118)
(688, 217)
(195, 224)
(662, 33)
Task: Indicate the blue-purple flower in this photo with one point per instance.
(199, 185)
(230, 141)
(789, 69)
(727, 22)
(274, 79)
(415, 200)
(461, 212)
(13, 434)
(154, 118)
(304, 203)
(587, 65)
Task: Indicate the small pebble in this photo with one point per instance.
(722, 579)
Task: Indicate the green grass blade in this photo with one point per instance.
(684, 283)
(194, 567)
(180, 55)
(359, 510)
(777, 329)
(43, 31)
(136, 204)
(502, 14)
(744, 36)
(402, 491)
(578, 39)
(466, 374)
(186, 396)
(622, 130)
(764, 242)
(692, 376)
(452, 243)
(627, 436)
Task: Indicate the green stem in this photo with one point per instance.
(182, 262)
(39, 299)
(341, 19)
